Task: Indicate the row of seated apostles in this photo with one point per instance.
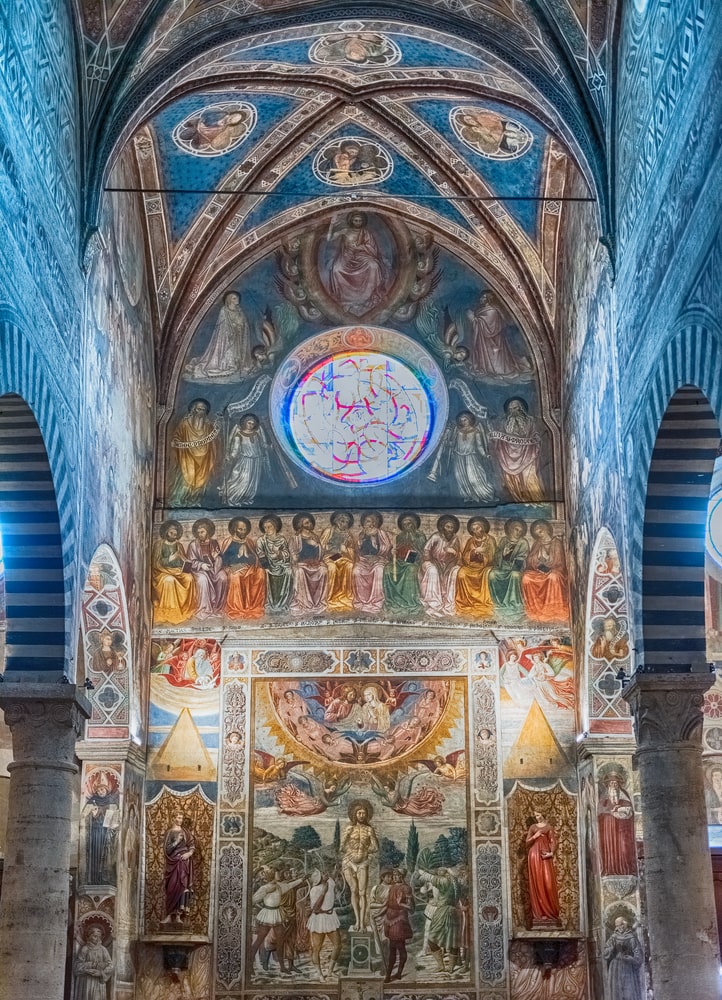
(340, 571)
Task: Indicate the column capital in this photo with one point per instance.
(667, 709)
(45, 721)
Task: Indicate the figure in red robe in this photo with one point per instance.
(541, 842)
(544, 584)
(615, 816)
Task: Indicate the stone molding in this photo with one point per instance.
(45, 721)
(667, 710)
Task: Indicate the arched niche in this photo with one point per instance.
(607, 642)
(107, 649)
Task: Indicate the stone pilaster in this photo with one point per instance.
(45, 720)
(667, 710)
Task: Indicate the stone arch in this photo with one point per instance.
(675, 518)
(36, 511)
(607, 645)
(32, 544)
(106, 648)
(691, 361)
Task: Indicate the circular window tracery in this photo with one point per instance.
(358, 405)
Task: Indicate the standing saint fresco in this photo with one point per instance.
(228, 355)
(275, 558)
(358, 274)
(206, 565)
(464, 454)
(101, 814)
(625, 960)
(93, 967)
(541, 843)
(401, 574)
(615, 818)
(440, 567)
(246, 579)
(195, 443)
(490, 355)
(358, 843)
(517, 444)
(473, 596)
(173, 586)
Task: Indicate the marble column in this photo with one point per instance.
(681, 920)
(45, 720)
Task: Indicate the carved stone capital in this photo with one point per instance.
(667, 709)
(45, 721)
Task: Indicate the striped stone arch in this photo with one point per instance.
(36, 512)
(670, 457)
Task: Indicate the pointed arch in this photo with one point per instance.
(675, 519)
(693, 359)
(107, 650)
(36, 511)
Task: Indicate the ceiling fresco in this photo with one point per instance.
(548, 33)
(251, 122)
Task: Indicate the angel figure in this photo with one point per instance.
(425, 801)
(267, 768)
(322, 793)
(248, 456)
(452, 766)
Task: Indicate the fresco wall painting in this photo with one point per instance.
(351, 565)
(608, 645)
(324, 782)
(358, 281)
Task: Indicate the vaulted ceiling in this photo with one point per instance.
(244, 116)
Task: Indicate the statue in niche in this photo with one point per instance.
(625, 960)
(93, 967)
(179, 847)
(541, 844)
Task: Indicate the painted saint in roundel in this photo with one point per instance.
(490, 134)
(355, 48)
(360, 721)
(351, 161)
(216, 129)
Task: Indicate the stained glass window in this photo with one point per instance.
(360, 417)
(358, 405)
